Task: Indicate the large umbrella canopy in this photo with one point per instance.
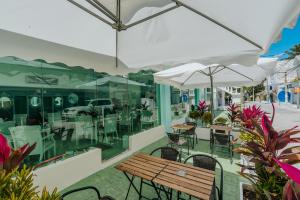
(195, 75)
(285, 71)
(148, 33)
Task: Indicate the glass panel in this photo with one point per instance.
(68, 110)
(179, 103)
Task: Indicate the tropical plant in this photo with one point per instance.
(207, 117)
(250, 114)
(10, 158)
(221, 121)
(18, 185)
(16, 182)
(271, 158)
(293, 52)
(233, 112)
(202, 107)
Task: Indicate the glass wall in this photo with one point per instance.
(179, 103)
(68, 110)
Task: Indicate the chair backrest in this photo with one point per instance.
(192, 130)
(20, 119)
(173, 137)
(167, 153)
(207, 162)
(22, 135)
(94, 189)
(110, 124)
(124, 117)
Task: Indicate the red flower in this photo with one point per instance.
(249, 114)
(4, 149)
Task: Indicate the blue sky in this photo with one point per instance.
(290, 37)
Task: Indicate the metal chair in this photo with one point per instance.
(192, 132)
(147, 118)
(221, 137)
(176, 141)
(125, 120)
(110, 127)
(22, 135)
(167, 153)
(209, 162)
(87, 188)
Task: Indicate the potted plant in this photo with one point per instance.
(194, 114)
(233, 111)
(207, 118)
(269, 170)
(16, 180)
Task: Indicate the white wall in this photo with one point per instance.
(67, 172)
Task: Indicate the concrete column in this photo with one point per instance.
(223, 98)
(197, 96)
(165, 107)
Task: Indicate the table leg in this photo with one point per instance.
(131, 184)
(129, 187)
(156, 190)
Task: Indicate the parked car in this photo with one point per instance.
(94, 106)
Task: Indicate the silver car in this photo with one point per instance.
(93, 105)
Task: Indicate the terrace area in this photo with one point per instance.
(149, 99)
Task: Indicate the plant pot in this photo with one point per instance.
(246, 191)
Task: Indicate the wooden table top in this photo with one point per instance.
(197, 182)
(183, 126)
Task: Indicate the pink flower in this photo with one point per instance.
(4, 149)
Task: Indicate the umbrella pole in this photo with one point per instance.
(211, 96)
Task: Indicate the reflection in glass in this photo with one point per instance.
(58, 101)
(35, 101)
(68, 110)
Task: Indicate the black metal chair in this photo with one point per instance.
(219, 138)
(192, 132)
(167, 153)
(86, 188)
(176, 141)
(210, 163)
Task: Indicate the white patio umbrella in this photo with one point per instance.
(195, 75)
(145, 33)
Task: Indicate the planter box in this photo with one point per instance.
(246, 191)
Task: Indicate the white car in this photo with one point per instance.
(94, 105)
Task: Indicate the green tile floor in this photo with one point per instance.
(113, 182)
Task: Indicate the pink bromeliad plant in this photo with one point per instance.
(202, 107)
(10, 158)
(233, 111)
(272, 156)
(249, 114)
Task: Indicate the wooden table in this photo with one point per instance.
(182, 127)
(197, 182)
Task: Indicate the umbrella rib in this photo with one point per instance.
(198, 71)
(219, 24)
(215, 71)
(151, 17)
(239, 73)
(106, 10)
(90, 12)
(102, 9)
